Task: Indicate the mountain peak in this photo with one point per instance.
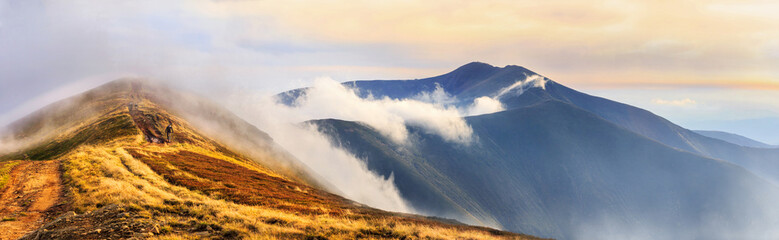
(476, 65)
(475, 68)
(517, 67)
(481, 66)
(479, 70)
(481, 79)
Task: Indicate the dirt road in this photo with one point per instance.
(30, 196)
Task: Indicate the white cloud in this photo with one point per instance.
(483, 105)
(330, 99)
(521, 85)
(480, 105)
(437, 96)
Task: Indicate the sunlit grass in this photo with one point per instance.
(109, 174)
(5, 171)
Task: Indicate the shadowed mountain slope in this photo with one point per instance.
(764, 162)
(555, 170)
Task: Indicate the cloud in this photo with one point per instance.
(678, 102)
(521, 85)
(480, 105)
(59, 93)
(330, 99)
(596, 41)
(437, 96)
(483, 105)
(8, 144)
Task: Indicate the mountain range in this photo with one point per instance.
(560, 163)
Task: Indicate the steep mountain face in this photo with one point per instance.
(123, 177)
(555, 170)
(735, 139)
(479, 79)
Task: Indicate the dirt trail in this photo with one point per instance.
(32, 194)
(147, 124)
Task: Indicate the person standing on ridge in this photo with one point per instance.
(169, 130)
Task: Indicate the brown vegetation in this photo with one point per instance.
(230, 181)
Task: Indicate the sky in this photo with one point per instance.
(701, 64)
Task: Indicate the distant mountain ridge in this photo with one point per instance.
(762, 129)
(735, 139)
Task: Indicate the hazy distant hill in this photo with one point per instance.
(762, 129)
(734, 138)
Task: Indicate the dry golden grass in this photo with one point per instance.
(108, 174)
(5, 171)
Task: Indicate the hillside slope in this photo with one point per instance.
(555, 170)
(123, 178)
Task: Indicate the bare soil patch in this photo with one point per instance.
(32, 196)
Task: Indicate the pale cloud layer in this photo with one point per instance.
(732, 42)
(216, 47)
